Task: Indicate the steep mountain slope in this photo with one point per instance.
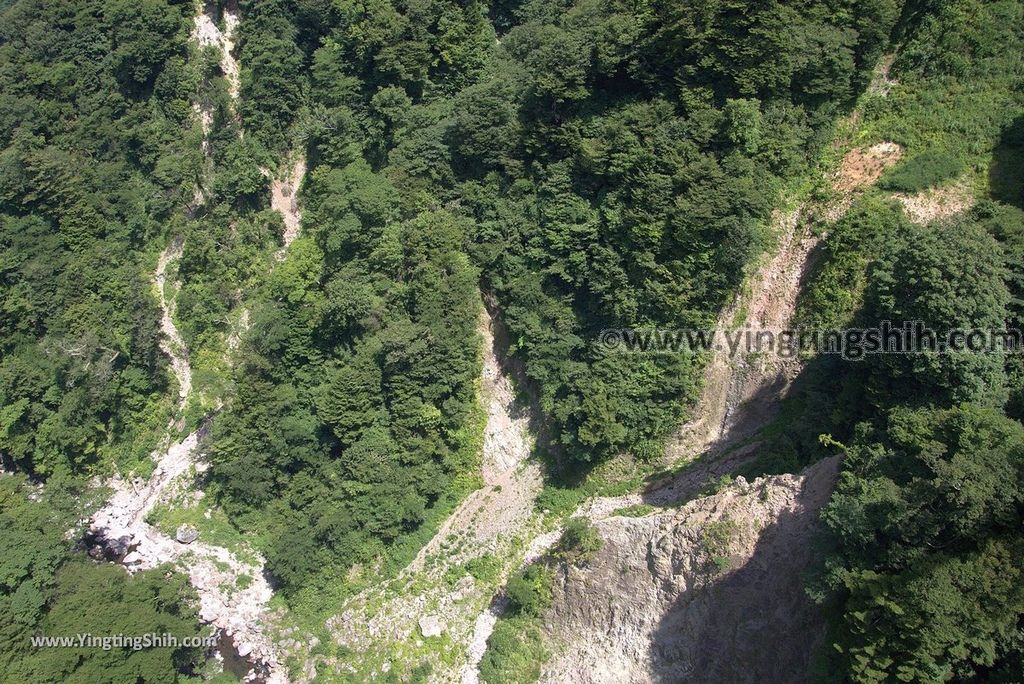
(712, 591)
(243, 250)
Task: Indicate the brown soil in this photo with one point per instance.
(864, 166)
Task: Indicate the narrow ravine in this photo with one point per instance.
(239, 609)
(742, 393)
(507, 501)
(742, 390)
(390, 618)
(122, 528)
(206, 33)
(171, 342)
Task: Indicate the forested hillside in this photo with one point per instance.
(99, 159)
(922, 570)
(577, 165)
(589, 165)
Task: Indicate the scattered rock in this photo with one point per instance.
(462, 588)
(431, 626)
(935, 204)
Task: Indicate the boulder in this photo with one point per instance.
(431, 626)
(186, 534)
(133, 558)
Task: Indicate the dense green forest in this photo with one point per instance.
(587, 165)
(922, 571)
(94, 122)
(579, 166)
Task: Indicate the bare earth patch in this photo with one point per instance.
(511, 482)
(936, 204)
(864, 166)
(171, 342)
(284, 199)
(206, 33)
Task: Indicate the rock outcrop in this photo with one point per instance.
(712, 591)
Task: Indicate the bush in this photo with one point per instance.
(485, 568)
(921, 172)
(529, 593)
(579, 543)
(514, 654)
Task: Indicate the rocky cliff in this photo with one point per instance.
(712, 591)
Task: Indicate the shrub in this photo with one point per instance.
(515, 652)
(529, 593)
(485, 568)
(921, 172)
(579, 543)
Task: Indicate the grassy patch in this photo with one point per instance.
(635, 511)
(923, 171)
(216, 529)
(579, 543)
(716, 537)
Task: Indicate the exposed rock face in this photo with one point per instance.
(430, 626)
(713, 591)
(186, 534)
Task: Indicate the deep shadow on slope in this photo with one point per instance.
(1006, 172)
(756, 623)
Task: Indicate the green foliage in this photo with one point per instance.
(948, 276)
(955, 69)
(558, 500)
(1006, 223)
(921, 576)
(632, 187)
(97, 155)
(485, 568)
(529, 593)
(716, 537)
(635, 511)
(515, 652)
(582, 171)
(272, 82)
(920, 172)
(346, 425)
(926, 523)
(834, 293)
(48, 589)
(579, 543)
(515, 649)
